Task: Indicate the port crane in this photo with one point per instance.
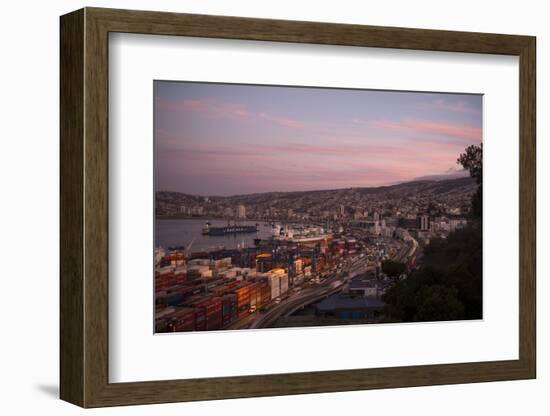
(188, 248)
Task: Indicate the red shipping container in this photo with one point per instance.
(200, 320)
(182, 320)
(180, 277)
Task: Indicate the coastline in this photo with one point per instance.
(205, 218)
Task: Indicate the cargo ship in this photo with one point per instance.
(229, 229)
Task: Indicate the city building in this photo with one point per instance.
(424, 223)
(241, 211)
(228, 212)
(345, 307)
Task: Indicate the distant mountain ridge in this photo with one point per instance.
(445, 176)
(420, 185)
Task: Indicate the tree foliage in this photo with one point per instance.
(472, 160)
(393, 268)
(447, 287)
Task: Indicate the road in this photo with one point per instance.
(406, 252)
(328, 286)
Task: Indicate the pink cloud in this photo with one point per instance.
(456, 107)
(207, 106)
(216, 153)
(341, 152)
(218, 109)
(459, 131)
(296, 163)
(286, 122)
(418, 149)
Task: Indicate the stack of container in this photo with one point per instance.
(180, 274)
(351, 245)
(164, 280)
(229, 309)
(320, 264)
(199, 272)
(339, 247)
(200, 319)
(164, 312)
(255, 296)
(265, 293)
(175, 258)
(199, 262)
(284, 283)
(243, 300)
(211, 284)
(212, 308)
(162, 315)
(214, 314)
(175, 295)
(224, 288)
(182, 320)
(221, 263)
(161, 325)
(274, 285)
(172, 299)
(229, 273)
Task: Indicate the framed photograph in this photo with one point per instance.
(255, 207)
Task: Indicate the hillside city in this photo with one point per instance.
(329, 258)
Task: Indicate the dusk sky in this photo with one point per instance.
(228, 139)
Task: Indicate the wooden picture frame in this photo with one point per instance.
(84, 207)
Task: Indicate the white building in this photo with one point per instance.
(375, 229)
(160, 252)
(278, 282)
(454, 224)
(241, 211)
(424, 223)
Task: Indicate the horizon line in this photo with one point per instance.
(420, 179)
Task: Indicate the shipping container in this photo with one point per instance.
(265, 295)
(211, 311)
(198, 262)
(181, 320)
(180, 277)
(214, 321)
(174, 298)
(255, 296)
(200, 320)
(229, 301)
(163, 271)
(243, 301)
(161, 325)
(163, 312)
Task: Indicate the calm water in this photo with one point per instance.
(171, 233)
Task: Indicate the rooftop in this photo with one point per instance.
(344, 302)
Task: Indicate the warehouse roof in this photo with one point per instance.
(345, 302)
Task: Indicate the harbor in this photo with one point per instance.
(181, 232)
(236, 279)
